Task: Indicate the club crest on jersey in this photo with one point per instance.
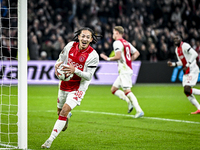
(181, 57)
(81, 58)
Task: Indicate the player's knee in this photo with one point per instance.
(58, 111)
(113, 91)
(127, 91)
(187, 90)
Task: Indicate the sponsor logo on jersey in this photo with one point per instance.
(77, 65)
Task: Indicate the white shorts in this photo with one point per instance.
(124, 81)
(190, 79)
(71, 98)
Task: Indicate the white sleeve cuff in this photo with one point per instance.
(188, 64)
(108, 59)
(174, 64)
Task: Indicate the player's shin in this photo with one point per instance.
(59, 125)
(195, 91)
(121, 95)
(132, 98)
(193, 100)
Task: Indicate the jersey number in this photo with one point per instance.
(128, 55)
(79, 94)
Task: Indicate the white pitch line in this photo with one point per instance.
(8, 147)
(153, 118)
(115, 114)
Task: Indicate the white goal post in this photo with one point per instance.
(22, 74)
(13, 75)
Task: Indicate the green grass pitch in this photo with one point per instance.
(101, 121)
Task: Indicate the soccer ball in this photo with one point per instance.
(62, 75)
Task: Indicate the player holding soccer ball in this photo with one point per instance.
(82, 61)
(125, 53)
(187, 58)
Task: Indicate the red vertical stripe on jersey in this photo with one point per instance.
(127, 52)
(182, 57)
(77, 58)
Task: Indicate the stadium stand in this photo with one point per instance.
(149, 25)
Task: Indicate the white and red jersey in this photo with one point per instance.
(85, 63)
(127, 49)
(187, 55)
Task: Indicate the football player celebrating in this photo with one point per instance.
(125, 53)
(82, 61)
(187, 58)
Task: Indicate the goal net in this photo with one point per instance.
(13, 74)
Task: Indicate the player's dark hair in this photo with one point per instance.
(179, 34)
(94, 36)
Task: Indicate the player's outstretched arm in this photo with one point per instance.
(169, 63)
(102, 55)
(116, 57)
(174, 64)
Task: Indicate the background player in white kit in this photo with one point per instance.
(125, 53)
(187, 58)
(82, 60)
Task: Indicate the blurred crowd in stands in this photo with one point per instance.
(149, 25)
